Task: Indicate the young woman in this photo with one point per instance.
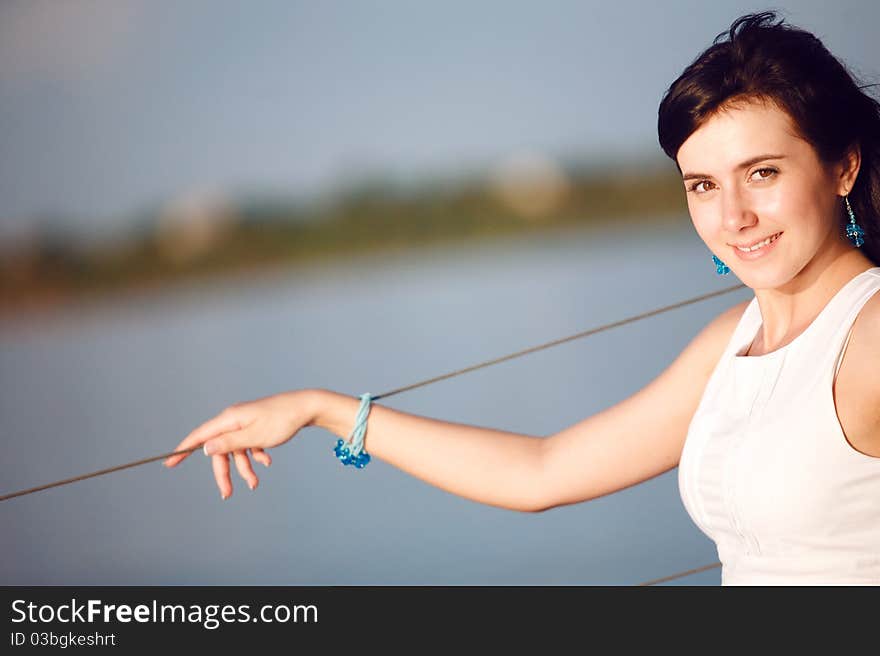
(775, 432)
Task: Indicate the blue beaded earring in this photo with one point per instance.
(720, 267)
(854, 231)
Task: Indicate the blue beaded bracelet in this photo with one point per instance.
(353, 453)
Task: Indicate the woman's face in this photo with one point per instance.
(748, 176)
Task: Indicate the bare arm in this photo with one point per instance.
(485, 465)
(482, 464)
(632, 441)
(629, 442)
(639, 437)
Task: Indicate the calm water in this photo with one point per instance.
(119, 381)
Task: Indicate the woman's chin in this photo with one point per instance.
(765, 279)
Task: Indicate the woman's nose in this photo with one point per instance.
(736, 210)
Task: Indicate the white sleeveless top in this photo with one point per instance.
(766, 471)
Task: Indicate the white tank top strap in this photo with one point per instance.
(751, 323)
(745, 330)
(745, 326)
(843, 350)
(839, 325)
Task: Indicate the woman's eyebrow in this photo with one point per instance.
(741, 165)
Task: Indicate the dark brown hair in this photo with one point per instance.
(762, 59)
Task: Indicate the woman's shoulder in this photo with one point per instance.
(719, 330)
(863, 350)
(862, 355)
(729, 318)
(857, 387)
(704, 350)
(871, 311)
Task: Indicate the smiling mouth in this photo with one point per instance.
(758, 245)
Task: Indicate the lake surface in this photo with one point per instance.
(115, 381)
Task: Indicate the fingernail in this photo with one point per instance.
(224, 496)
(205, 449)
(252, 486)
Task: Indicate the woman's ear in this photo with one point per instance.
(848, 170)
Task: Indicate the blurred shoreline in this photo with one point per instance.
(206, 246)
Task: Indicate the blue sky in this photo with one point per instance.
(111, 107)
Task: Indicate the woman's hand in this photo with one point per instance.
(248, 427)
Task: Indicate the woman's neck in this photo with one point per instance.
(787, 311)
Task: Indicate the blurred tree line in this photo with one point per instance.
(371, 216)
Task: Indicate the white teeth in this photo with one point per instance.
(760, 245)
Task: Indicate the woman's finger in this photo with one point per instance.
(224, 422)
(243, 464)
(220, 464)
(261, 456)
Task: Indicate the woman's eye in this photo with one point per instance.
(697, 188)
(768, 171)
